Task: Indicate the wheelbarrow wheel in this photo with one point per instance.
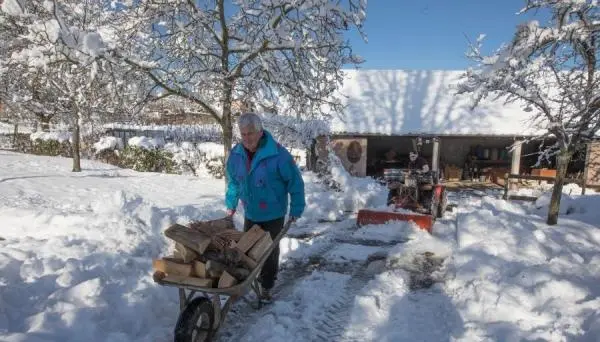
(195, 323)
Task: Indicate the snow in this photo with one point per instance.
(11, 7)
(76, 252)
(147, 143)
(59, 136)
(396, 102)
(108, 143)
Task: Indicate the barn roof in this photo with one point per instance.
(399, 102)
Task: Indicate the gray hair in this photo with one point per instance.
(250, 119)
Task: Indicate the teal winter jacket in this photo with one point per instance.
(263, 184)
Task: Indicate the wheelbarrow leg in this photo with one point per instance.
(185, 299)
(182, 299)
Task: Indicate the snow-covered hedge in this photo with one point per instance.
(56, 143)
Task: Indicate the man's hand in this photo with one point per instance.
(230, 212)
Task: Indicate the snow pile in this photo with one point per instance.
(518, 279)
(571, 202)
(108, 143)
(60, 136)
(357, 192)
(147, 143)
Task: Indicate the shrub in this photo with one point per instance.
(51, 148)
(147, 160)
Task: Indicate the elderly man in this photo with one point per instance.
(261, 173)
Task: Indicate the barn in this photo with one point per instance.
(399, 111)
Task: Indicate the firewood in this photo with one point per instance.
(190, 238)
(247, 261)
(231, 234)
(239, 273)
(199, 269)
(250, 238)
(200, 282)
(214, 269)
(187, 254)
(158, 276)
(227, 280)
(260, 247)
(172, 268)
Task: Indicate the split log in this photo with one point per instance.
(200, 269)
(200, 282)
(213, 227)
(227, 280)
(187, 254)
(250, 238)
(171, 267)
(190, 238)
(231, 234)
(247, 261)
(259, 249)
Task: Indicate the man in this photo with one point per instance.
(416, 164)
(261, 173)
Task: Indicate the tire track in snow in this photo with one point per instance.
(244, 315)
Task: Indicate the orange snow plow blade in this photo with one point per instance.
(366, 216)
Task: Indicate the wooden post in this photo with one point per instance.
(588, 152)
(505, 197)
(16, 131)
(515, 167)
(435, 158)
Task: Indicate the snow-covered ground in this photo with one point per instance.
(76, 251)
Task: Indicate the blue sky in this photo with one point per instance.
(430, 34)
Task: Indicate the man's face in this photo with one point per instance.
(412, 156)
(250, 137)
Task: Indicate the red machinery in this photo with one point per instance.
(420, 197)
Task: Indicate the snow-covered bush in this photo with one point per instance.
(51, 143)
(201, 159)
(147, 160)
(107, 150)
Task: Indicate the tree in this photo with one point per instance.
(282, 54)
(54, 65)
(552, 70)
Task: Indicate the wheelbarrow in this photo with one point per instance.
(202, 312)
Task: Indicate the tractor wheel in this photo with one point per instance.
(195, 323)
(443, 204)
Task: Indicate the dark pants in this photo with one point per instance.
(391, 194)
(268, 274)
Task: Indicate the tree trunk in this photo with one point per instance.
(562, 162)
(75, 147)
(226, 123)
